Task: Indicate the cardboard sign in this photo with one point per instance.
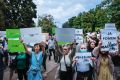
(109, 40)
(2, 33)
(65, 34)
(12, 33)
(79, 35)
(15, 46)
(31, 35)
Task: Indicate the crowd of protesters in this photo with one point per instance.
(31, 64)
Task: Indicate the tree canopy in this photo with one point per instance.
(46, 22)
(17, 13)
(108, 11)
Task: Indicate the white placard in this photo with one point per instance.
(47, 35)
(83, 58)
(31, 35)
(110, 26)
(79, 35)
(35, 30)
(43, 37)
(80, 57)
(109, 40)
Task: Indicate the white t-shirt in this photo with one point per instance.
(62, 62)
(51, 44)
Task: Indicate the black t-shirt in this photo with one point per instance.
(116, 60)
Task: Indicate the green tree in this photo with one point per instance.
(93, 20)
(47, 23)
(19, 13)
(2, 19)
(115, 13)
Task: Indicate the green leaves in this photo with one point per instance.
(47, 23)
(106, 12)
(18, 13)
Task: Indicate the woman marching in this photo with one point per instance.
(34, 72)
(104, 64)
(83, 69)
(65, 68)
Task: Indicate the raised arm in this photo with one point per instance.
(57, 47)
(96, 50)
(26, 49)
(73, 50)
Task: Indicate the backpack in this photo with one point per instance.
(21, 61)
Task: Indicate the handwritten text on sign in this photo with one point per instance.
(109, 40)
(79, 35)
(80, 57)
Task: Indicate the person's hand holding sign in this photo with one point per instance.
(93, 58)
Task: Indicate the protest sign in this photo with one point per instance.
(47, 35)
(15, 46)
(65, 34)
(110, 26)
(79, 35)
(31, 35)
(2, 33)
(62, 43)
(109, 40)
(12, 33)
(83, 57)
(34, 38)
(43, 37)
(35, 30)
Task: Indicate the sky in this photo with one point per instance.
(62, 10)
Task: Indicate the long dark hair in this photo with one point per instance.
(37, 44)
